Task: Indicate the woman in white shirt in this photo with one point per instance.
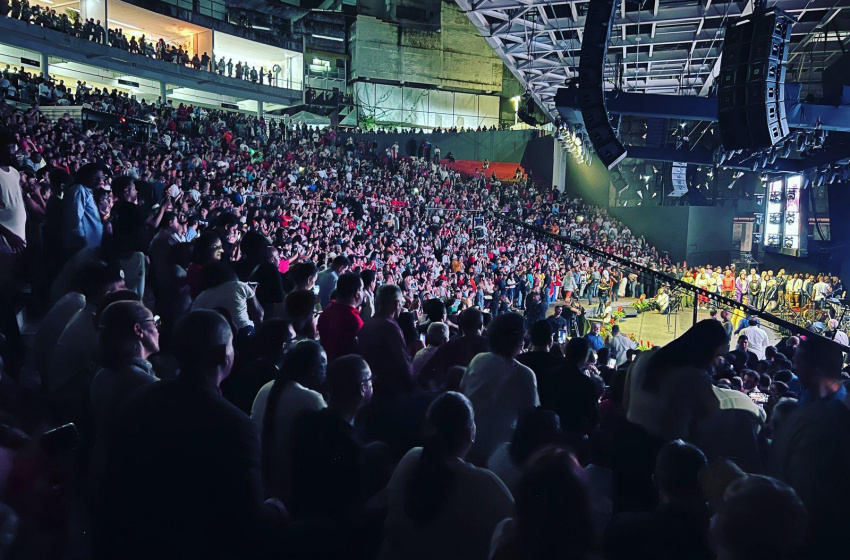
(439, 506)
(222, 290)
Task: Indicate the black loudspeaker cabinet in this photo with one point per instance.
(751, 99)
(591, 95)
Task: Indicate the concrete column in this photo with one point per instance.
(259, 109)
(45, 67)
(162, 91)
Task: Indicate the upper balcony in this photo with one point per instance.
(58, 41)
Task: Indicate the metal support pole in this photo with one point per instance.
(696, 305)
(259, 109)
(162, 92)
(45, 66)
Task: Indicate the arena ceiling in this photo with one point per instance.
(656, 46)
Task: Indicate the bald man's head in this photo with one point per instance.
(204, 345)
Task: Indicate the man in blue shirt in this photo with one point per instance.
(593, 336)
(328, 277)
(83, 227)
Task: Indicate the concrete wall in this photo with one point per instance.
(590, 183)
(709, 234)
(665, 227)
(696, 234)
(559, 163)
(502, 145)
(457, 57)
(538, 158)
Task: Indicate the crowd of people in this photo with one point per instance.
(138, 43)
(259, 341)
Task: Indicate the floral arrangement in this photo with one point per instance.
(640, 344)
(643, 305)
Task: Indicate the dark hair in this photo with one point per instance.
(93, 277)
(506, 334)
(407, 324)
(535, 429)
(167, 218)
(7, 137)
(302, 271)
(215, 274)
(202, 333)
(305, 355)
(577, 350)
(679, 467)
(348, 284)
(299, 306)
(344, 377)
(202, 246)
(227, 219)
(470, 320)
(368, 276)
(824, 355)
(541, 333)
(554, 518)
(784, 375)
(431, 481)
(272, 337)
(750, 372)
(695, 348)
(100, 194)
(782, 519)
(87, 172)
(339, 262)
(435, 309)
(120, 185)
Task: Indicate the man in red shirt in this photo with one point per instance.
(340, 322)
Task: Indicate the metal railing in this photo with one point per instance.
(781, 325)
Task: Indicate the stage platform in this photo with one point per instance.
(656, 328)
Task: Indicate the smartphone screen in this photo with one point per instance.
(612, 363)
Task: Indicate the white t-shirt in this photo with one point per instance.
(232, 296)
(464, 526)
(13, 213)
(294, 399)
(758, 340)
(500, 389)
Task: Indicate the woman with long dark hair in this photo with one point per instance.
(669, 389)
(298, 379)
(439, 505)
(553, 512)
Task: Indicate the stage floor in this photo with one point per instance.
(660, 329)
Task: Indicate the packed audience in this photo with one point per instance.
(94, 30)
(258, 341)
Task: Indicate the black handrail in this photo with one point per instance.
(667, 279)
